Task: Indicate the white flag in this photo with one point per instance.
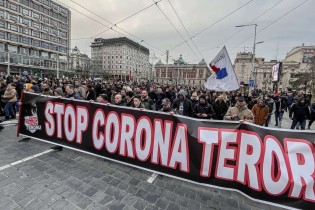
(224, 78)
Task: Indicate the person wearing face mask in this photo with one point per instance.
(260, 112)
(299, 113)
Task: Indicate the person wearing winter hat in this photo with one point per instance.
(182, 105)
(239, 111)
(203, 110)
(58, 92)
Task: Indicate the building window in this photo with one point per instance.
(63, 42)
(36, 43)
(2, 24)
(14, 28)
(45, 28)
(45, 19)
(25, 40)
(53, 22)
(25, 11)
(25, 2)
(45, 36)
(2, 36)
(46, 2)
(24, 50)
(53, 47)
(36, 25)
(13, 7)
(14, 38)
(1, 2)
(45, 45)
(54, 7)
(25, 31)
(36, 7)
(2, 14)
(54, 39)
(64, 11)
(36, 34)
(55, 14)
(14, 18)
(36, 15)
(35, 53)
(25, 21)
(46, 11)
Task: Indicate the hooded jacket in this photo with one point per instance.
(187, 109)
(205, 108)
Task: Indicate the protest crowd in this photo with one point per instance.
(260, 107)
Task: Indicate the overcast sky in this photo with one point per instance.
(152, 26)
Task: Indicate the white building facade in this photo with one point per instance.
(117, 58)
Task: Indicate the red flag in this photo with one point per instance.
(130, 75)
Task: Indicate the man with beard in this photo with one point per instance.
(203, 110)
(220, 108)
(46, 90)
(166, 105)
(146, 101)
(260, 112)
(159, 97)
(182, 105)
(129, 98)
(300, 113)
(194, 99)
(239, 112)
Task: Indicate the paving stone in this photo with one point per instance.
(130, 199)
(108, 199)
(90, 192)
(140, 204)
(193, 205)
(80, 200)
(116, 205)
(98, 196)
(162, 203)
(173, 206)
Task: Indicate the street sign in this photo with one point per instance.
(251, 83)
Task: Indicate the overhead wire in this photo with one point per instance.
(174, 27)
(109, 27)
(116, 24)
(221, 19)
(185, 29)
(273, 22)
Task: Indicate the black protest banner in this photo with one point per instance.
(269, 165)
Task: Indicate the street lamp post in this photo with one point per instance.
(138, 63)
(253, 58)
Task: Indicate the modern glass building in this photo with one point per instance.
(34, 37)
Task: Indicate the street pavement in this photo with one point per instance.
(34, 177)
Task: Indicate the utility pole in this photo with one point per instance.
(57, 66)
(8, 69)
(167, 53)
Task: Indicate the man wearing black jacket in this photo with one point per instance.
(182, 105)
(220, 108)
(203, 110)
(300, 113)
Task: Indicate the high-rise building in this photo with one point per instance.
(34, 36)
(117, 58)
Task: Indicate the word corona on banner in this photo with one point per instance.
(135, 139)
(266, 164)
(256, 161)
